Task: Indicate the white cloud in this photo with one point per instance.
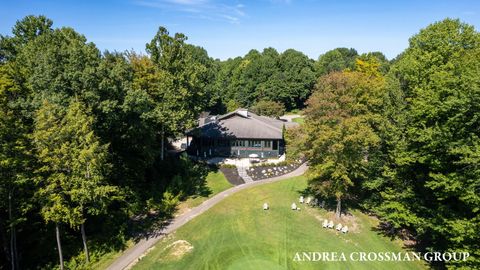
(200, 9)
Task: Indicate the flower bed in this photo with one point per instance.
(268, 170)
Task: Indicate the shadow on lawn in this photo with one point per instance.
(191, 183)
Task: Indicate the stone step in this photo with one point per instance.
(242, 172)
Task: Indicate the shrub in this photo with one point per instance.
(228, 166)
(269, 108)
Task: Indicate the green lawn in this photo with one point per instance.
(294, 111)
(238, 234)
(216, 183)
(299, 120)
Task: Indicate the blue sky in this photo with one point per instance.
(231, 28)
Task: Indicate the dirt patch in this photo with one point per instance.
(178, 249)
(182, 208)
(232, 176)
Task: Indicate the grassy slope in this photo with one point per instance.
(215, 181)
(238, 234)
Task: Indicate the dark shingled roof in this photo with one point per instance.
(243, 125)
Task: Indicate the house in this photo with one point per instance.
(237, 134)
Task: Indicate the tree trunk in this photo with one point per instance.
(339, 207)
(3, 239)
(59, 245)
(13, 237)
(84, 239)
(15, 248)
(82, 227)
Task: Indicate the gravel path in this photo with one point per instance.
(130, 256)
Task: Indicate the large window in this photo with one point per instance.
(255, 144)
(238, 143)
(275, 145)
(267, 144)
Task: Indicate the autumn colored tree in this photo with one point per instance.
(340, 134)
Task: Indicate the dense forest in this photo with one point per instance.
(84, 135)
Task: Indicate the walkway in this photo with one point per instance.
(131, 255)
(242, 172)
(290, 117)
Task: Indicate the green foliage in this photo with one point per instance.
(268, 108)
(169, 202)
(24, 31)
(59, 65)
(286, 78)
(71, 185)
(180, 90)
(340, 131)
(232, 105)
(381, 62)
(295, 138)
(229, 166)
(432, 186)
(338, 59)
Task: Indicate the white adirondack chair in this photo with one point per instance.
(325, 223)
(330, 224)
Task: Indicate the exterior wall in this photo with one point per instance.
(236, 148)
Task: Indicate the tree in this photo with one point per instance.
(54, 171)
(436, 159)
(89, 192)
(59, 65)
(339, 125)
(286, 78)
(15, 161)
(378, 57)
(269, 108)
(292, 83)
(73, 184)
(179, 96)
(232, 105)
(336, 60)
(24, 31)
